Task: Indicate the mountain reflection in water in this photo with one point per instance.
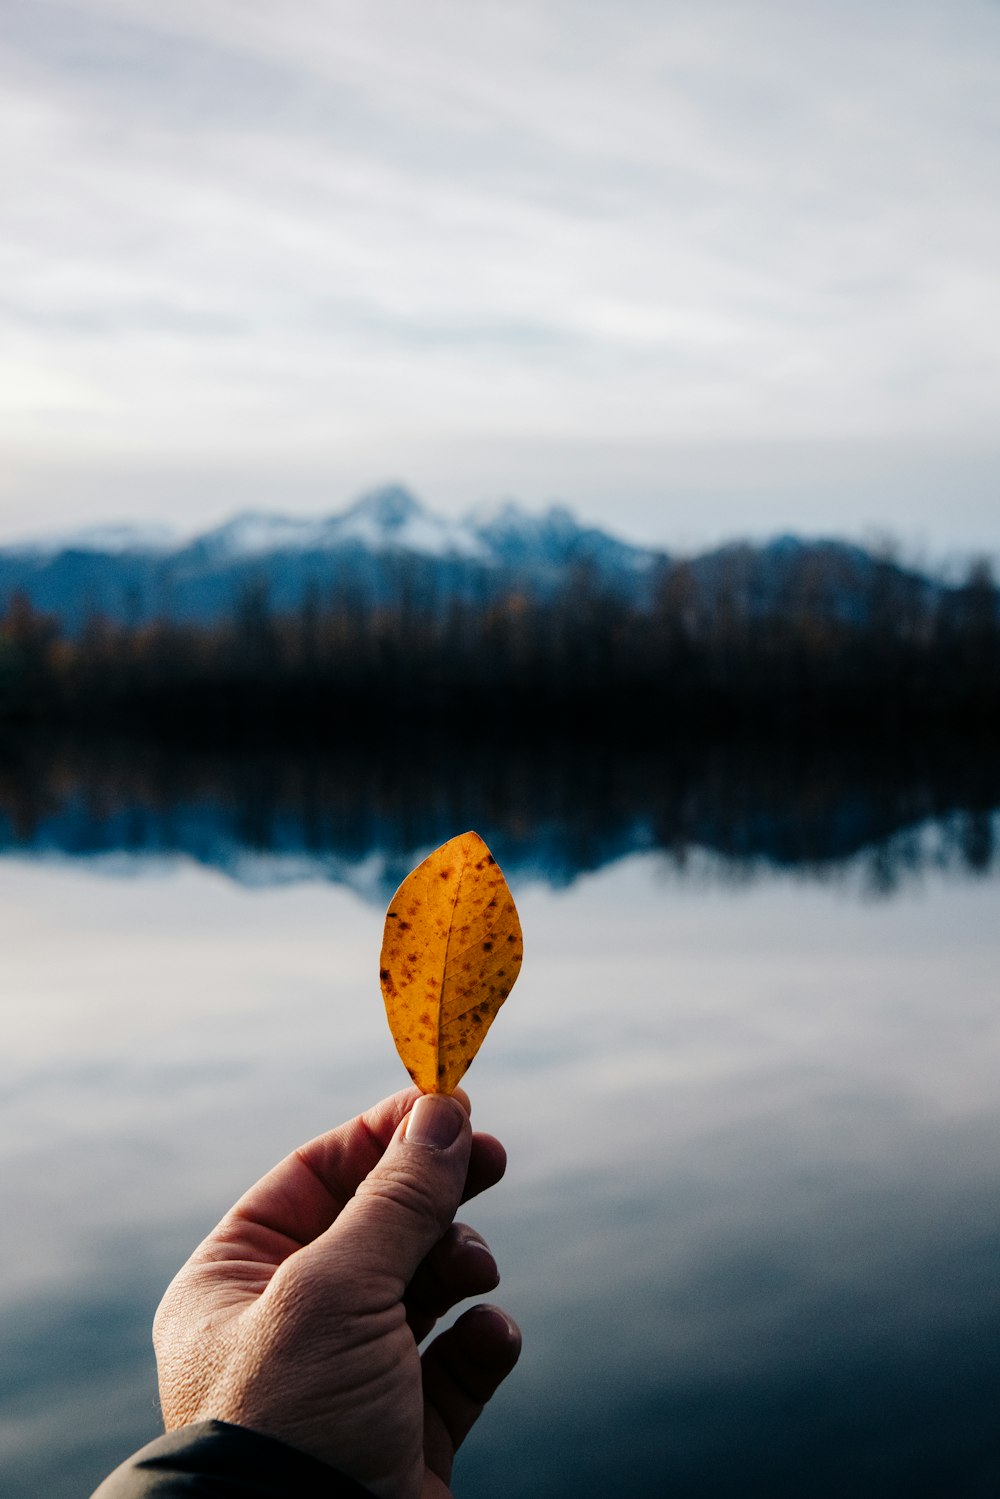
(361, 818)
(749, 1226)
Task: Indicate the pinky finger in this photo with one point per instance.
(462, 1368)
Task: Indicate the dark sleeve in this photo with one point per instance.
(213, 1460)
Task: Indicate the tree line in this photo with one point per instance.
(892, 654)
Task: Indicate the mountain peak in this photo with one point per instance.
(508, 520)
(393, 519)
(496, 514)
(390, 508)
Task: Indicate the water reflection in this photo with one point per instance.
(838, 1345)
(359, 817)
(750, 1223)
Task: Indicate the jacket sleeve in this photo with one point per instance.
(213, 1460)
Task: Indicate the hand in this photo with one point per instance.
(300, 1315)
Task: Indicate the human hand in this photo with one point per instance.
(300, 1314)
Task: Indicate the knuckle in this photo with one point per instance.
(398, 1190)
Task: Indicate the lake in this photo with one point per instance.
(748, 1084)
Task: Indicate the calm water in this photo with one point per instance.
(748, 1082)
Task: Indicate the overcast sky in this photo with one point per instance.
(698, 268)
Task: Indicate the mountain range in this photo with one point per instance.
(388, 542)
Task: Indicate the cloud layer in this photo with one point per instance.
(697, 267)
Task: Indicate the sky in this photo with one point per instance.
(696, 268)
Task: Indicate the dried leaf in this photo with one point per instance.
(450, 954)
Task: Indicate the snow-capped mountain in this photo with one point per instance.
(135, 573)
(393, 520)
(389, 519)
(387, 541)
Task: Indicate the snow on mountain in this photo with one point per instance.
(389, 519)
(257, 533)
(392, 519)
(517, 537)
(385, 520)
(112, 539)
(508, 520)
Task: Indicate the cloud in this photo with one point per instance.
(347, 233)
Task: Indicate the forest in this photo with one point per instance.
(901, 655)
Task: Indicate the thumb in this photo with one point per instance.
(408, 1200)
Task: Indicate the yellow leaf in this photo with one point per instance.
(450, 954)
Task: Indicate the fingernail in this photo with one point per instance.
(434, 1121)
(504, 1325)
(484, 1254)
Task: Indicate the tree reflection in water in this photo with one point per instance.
(360, 814)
